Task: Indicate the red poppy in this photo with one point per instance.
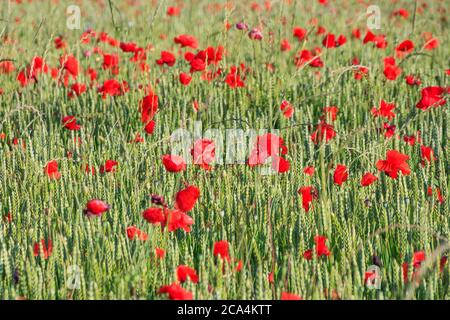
(395, 162)
(203, 153)
(184, 272)
(148, 107)
(285, 45)
(391, 70)
(109, 166)
(367, 179)
(160, 253)
(113, 87)
(308, 194)
(51, 170)
(330, 41)
(321, 247)
(412, 81)
(384, 110)
(46, 251)
(323, 131)
(299, 33)
(221, 249)
(185, 78)
(389, 130)
(166, 58)
(175, 292)
(379, 41)
(173, 163)
(307, 57)
(186, 198)
(133, 232)
(111, 62)
(404, 48)
(179, 220)
(309, 171)
(173, 11)
(129, 47)
(77, 89)
(95, 207)
(432, 97)
(427, 154)
(233, 79)
(186, 40)
(287, 109)
(290, 296)
(70, 123)
(267, 145)
(154, 215)
(340, 174)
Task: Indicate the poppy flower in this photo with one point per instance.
(411, 140)
(241, 26)
(76, 90)
(221, 249)
(267, 145)
(431, 44)
(233, 78)
(384, 110)
(51, 170)
(418, 258)
(330, 41)
(379, 40)
(173, 11)
(432, 97)
(96, 208)
(148, 107)
(391, 70)
(154, 215)
(439, 196)
(401, 12)
(111, 62)
(427, 154)
(309, 171)
(395, 162)
(287, 109)
(184, 272)
(285, 45)
(308, 194)
(185, 78)
(255, 34)
(166, 58)
(177, 219)
(70, 65)
(113, 88)
(203, 153)
(340, 174)
(404, 48)
(299, 33)
(175, 292)
(160, 253)
(330, 113)
(133, 232)
(321, 247)
(173, 163)
(109, 166)
(70, 123)
(186, 40)
(129, 47)
(412, 81)
(6, 67)
(367, 179)
(305, 56)
(44, 247)
(280, 164)
(290, 296)
(271, 277)
(324, 131)
(186, 198)
(389, 130)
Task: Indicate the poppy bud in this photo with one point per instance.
(255, 34)
(158, 200)
(376, 261)
(241, 26)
